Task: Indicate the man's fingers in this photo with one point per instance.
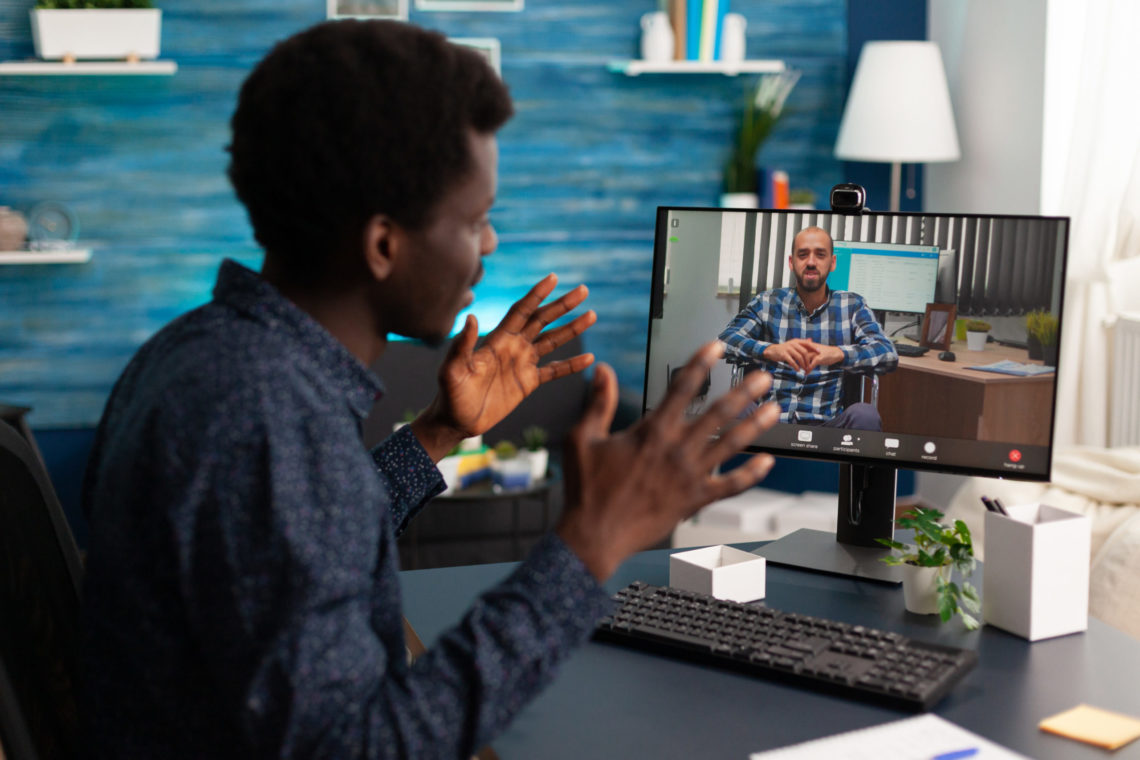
(552, 339)
(552, 311)
(736, 438)
(464, 343)
(522, 309)
(745, 476)
(729, 406)
(688, 380)
(564, 367)
(599, 415)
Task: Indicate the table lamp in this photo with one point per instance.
(898, 110)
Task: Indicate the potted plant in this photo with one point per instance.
(508, 470)
(71, 30)
(977, 333)
(534, 441)
(1041, 329)
(928, 586)
(763, 107)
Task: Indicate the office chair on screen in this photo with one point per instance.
(40, 575)
(858, 384)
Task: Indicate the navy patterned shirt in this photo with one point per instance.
(779, 315)
(242, 596)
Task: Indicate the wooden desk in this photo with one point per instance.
(927, 396)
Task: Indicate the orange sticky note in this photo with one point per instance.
(1093, 725)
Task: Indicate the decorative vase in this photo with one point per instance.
(732, 35)
(920, 588)
(97, 33)
(976, 341)
(656, 37)
(539, 459)
(13, 229)
(739, 200)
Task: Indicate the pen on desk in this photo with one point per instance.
(958, 753)
(1000, 507)
(989, 504)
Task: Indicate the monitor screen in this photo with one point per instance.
(986, 409)
(890, 276)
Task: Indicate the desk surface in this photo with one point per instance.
(612, 702)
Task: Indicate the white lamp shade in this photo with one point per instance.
(898, 110)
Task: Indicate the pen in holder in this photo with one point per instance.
(1035, 582)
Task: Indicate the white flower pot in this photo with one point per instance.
(539, 460)
(920, 588)
(739, 200)
(976, 341)
(97, 33)
(449, 469)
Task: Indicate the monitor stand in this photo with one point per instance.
(866, 512)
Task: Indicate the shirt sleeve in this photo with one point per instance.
(746, 336)
(411, 475)
(871, 349)
(292, 588)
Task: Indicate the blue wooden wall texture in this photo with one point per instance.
(584, 164)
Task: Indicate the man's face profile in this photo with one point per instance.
(812, 259)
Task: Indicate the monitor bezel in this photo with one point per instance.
(657, 304)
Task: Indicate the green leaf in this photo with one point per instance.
(969, 620)
(893, 544)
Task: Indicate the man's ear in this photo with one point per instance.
(384, 242)
(834, 261)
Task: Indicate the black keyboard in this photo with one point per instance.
(906, 349)
(851, 660)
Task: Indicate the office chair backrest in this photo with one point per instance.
(40, 574)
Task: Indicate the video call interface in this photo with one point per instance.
(911, 390)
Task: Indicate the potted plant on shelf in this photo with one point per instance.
(534, 439)
(1041, 329)
(928, 586)
(977, 333)
(763, 107)
(72, 30)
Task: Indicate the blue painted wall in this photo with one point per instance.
(584, 164)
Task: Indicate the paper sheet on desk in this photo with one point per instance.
(923, 737)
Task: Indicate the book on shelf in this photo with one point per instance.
(697, 28)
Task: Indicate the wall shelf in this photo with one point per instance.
(58, 256)
(632, 68)
(87, 68)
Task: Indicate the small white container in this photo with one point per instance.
(656, 37)
(720, 571)
(97, 33)
(1036, 578)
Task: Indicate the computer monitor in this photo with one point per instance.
(988, 412)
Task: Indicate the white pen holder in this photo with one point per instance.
(720, 571)
(1036, 576)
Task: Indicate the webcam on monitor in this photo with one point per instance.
(848, 198)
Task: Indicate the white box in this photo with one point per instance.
(721, 571)
(1036, 574)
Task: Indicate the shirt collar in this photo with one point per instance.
(799, 302)
(244, 290)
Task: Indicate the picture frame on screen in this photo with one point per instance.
(938, 325)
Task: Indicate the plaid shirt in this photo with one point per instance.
(779, 315)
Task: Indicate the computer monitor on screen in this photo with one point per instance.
(725, 273)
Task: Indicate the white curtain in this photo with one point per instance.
(1101, 194)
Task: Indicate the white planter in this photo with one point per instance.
(538, 462)
(449, 469)
(920, 588)
(976, 341)
(739, 200)
(97, 33)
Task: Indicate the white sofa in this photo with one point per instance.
(1101, 483)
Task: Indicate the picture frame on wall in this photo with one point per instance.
(488, 46)
(469, 5)
(368, 9)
